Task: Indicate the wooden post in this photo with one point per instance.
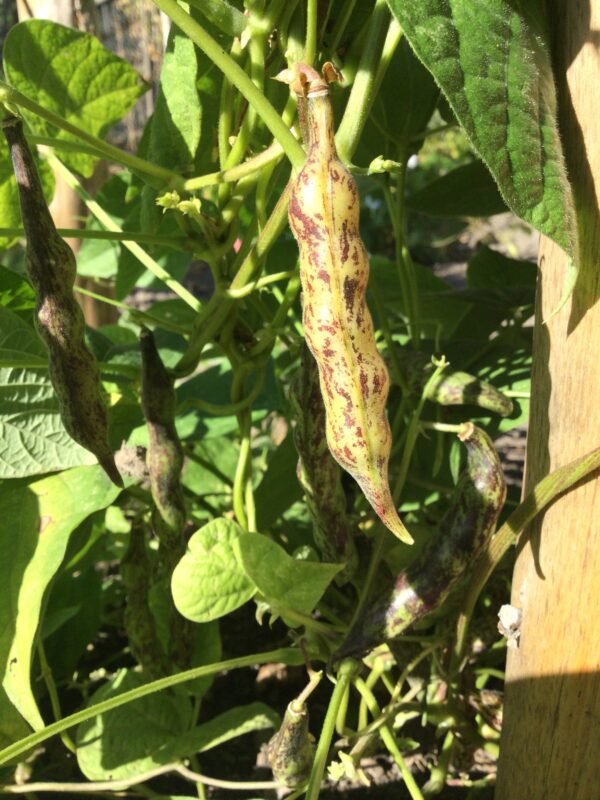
(550, 748)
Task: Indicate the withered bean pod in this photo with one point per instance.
(334, 270)
(52, 270)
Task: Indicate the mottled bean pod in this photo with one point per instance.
(426, 582)
(139, 620)
(52, 270)
(452, 387)
(334, 270)
(164, 460)
(319, 473)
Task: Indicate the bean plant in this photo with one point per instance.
(157, 570)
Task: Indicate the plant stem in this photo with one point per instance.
(389, 740)
(236, 75)
(287, 655)
(113, 236)
(362, 96)
(251, 165)
(109, 151)
(218, 308)
(310, 49)
(99, 787)
(153, 266)
(316, 777)
(53, 694)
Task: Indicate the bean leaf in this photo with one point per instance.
(209, 581)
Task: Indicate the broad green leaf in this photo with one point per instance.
(10, 210)
(72, 74)
(403, 107)
(280, 487)
(284, 581)
(16, 293)
(173, 133)
(209, 582)
(489, 269)
(225, 16)
(37, 521)
(440, 312)
(133, 738)
(226, 726)
(12, 725)
(493, 64)
(468, 191)
(33, 439)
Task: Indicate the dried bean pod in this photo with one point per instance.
(319, 473)
(424, 585)
(452, 388)
(291, 752)
(164, 460)
(139, 620)
(334, 270)
(52, 269)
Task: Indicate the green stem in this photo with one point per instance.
(413, 432)
(544, 493)
(342, 24)
(217, 310)
(53, 694)
(255, 164)
(389, 740)
(287, 655)
(236, 75)
(362, 93)
(113, 236)
(153, 266)
(316, 777)
(170, 178)
(310, 50)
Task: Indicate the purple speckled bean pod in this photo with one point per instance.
(334, 270)
(426, 582)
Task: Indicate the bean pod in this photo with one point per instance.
(291, 752)
(52, 270)
(426, 582)
(319, 473)
(452, 387)
(164, 460)
(334, 270)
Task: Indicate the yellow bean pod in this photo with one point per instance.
(334, 270)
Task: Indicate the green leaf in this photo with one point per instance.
(133, 738)
(38, 519)
(16, 293)
(72, 74)
(468, 191)
(225, 16)
(10, 209)
(280, 487)
(209, 582)
(493, 64)
(226, 726)
(283, 580)
(33, 439)
(403, 107)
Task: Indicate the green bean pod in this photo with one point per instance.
(52, 270)
(464, 530)
(319, 473)
(334, 269)
(452, 387)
